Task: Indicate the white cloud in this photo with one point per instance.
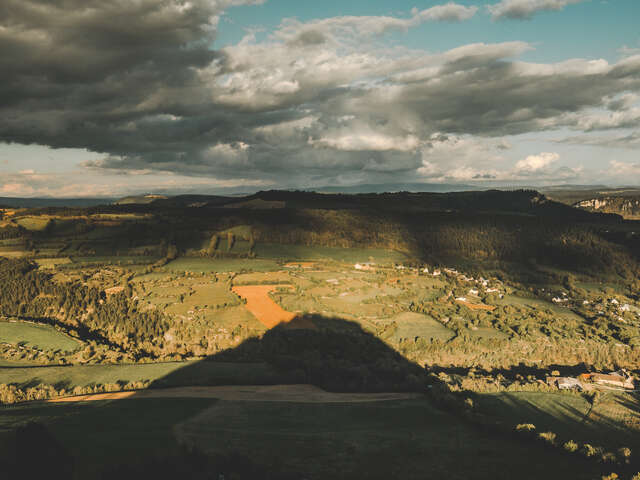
(317, 32)
(89, 184)
(450, 12)
(312, 102)
(629, 140)
(628, 171)
(462, 158)
(534, 163)
(525, 9)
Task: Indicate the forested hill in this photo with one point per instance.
(626, 206)
(519, 232)
(496, 201)
(528, 202)
(10, 202)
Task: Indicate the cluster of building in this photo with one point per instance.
(620, 379)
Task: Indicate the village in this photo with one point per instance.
(620, 380)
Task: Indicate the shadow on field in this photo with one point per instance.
(275, 440)
(514, 371)
(336, 355)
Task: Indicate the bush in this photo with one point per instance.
(588, 450)
(624, 454)
(525, 427)
(571, 446)
(548, 437)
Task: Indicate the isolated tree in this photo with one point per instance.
(252, 244)
(213, 245)
(172, 252)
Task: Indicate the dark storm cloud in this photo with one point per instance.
(76, 72)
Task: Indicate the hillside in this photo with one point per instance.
(53, 202)
(139, 199)
(627, 206)
(442, 310)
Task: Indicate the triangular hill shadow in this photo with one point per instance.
(337, 355)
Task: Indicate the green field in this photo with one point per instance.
(602, 287)
(411, 325)
(148, 425)
(52, 262)
(166, 374)
(13, 252)
(42, 337)
(78, 262)
(486, 333)
(348, 255)
(33, 223)
(539, 304)
(210, 265)
(613, 422)
(406, 439)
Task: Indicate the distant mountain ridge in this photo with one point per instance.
(397, 187)
(54, 202)
(140, 199)
(568, 194)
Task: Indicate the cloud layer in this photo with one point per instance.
(316, 102)
(525, 9)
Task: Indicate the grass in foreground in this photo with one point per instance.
(613, 422)
(103, 434)
(399, 439)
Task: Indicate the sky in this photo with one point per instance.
(104, 98)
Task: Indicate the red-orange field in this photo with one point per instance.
(300, 265)
(268, 312)
(476, 306)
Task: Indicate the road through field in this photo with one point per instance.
(260, 393)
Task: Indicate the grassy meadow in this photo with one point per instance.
(41, 337)
(395, 439)
(612, 422)
(213, 265)
(164, 374)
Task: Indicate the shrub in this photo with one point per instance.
(624, 454)
(548, 437)
(570, 446)
(588, 450)
(525, 427)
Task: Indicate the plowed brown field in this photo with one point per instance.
(268, 312)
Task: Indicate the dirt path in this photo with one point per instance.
(261, 393)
